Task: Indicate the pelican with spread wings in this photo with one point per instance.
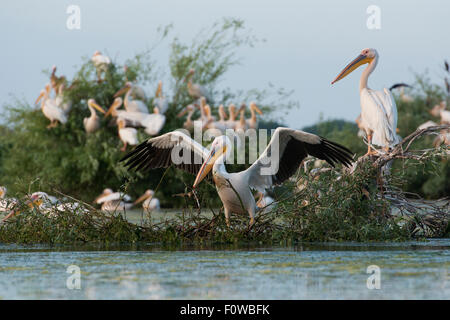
(280, 160)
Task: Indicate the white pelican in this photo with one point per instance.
(189, 123)
(150, 203)
(195, 90)
(56, 82)
(221, 124)
(241, 124)
(160, 101)
(50, 109)
(127, 135)
(92, 123)
(101, 63)
(151, 122)
(131, 105)
(378, 109)
(6, 204)
(112, 201)
(252, 123)
(231, 122)
(439, 111)
(265, 201)
(61, 101)
(108, 194)
(279, 161)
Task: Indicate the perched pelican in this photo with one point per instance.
(221, 124)
(114, 201)
(101, 63)
(242, 123)
(127, 135)
(378, 109)
(195, 90)
(189, 123)
(160, 101)
(265, 201)
(50, 109)
(108, 194)
(231, 122)
(150, 202)
(131, 105)
(252, 123)
(92, 123)
(152, 123)
(56, 82)
(279, 161)
(404, 97)
(62, 101)
(439, 111)
(6, 204)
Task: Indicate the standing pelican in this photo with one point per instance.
(115, 201)
(195, 90)
(189, 123)
(131, 105)
(127, 135)
(160, 101)
(101, 63)
(6, 204)
(61, 101)
(231, 122)
(50, 109)
(92, 123)
(439, 111)
(150, 202)
(221, 124)
(152, 123)
(56, 81)
(378, 109)
(252, 123)
(280, 160)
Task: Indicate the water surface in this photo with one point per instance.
(413, 270)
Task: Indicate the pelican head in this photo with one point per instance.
(255, 108)
(124, 90)
(114, 106)
(106, 192)
(96, 53)
(366, 56)
(147, 195)
(92, 104)
(220, 148)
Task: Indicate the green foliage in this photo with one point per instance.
(68, 160)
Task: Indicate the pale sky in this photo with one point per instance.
(307, 43)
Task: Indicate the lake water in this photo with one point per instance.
(414, 270)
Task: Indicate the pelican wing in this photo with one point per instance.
(173, 148)
(379, 113)
(153, 123)
(112, 197)
(285, 152)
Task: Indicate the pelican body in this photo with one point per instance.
(92, 123)
(131, 104)
(50, 109)
(234, 189)
(378, 108)
(101, 63)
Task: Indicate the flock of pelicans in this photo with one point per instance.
(377, 122)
